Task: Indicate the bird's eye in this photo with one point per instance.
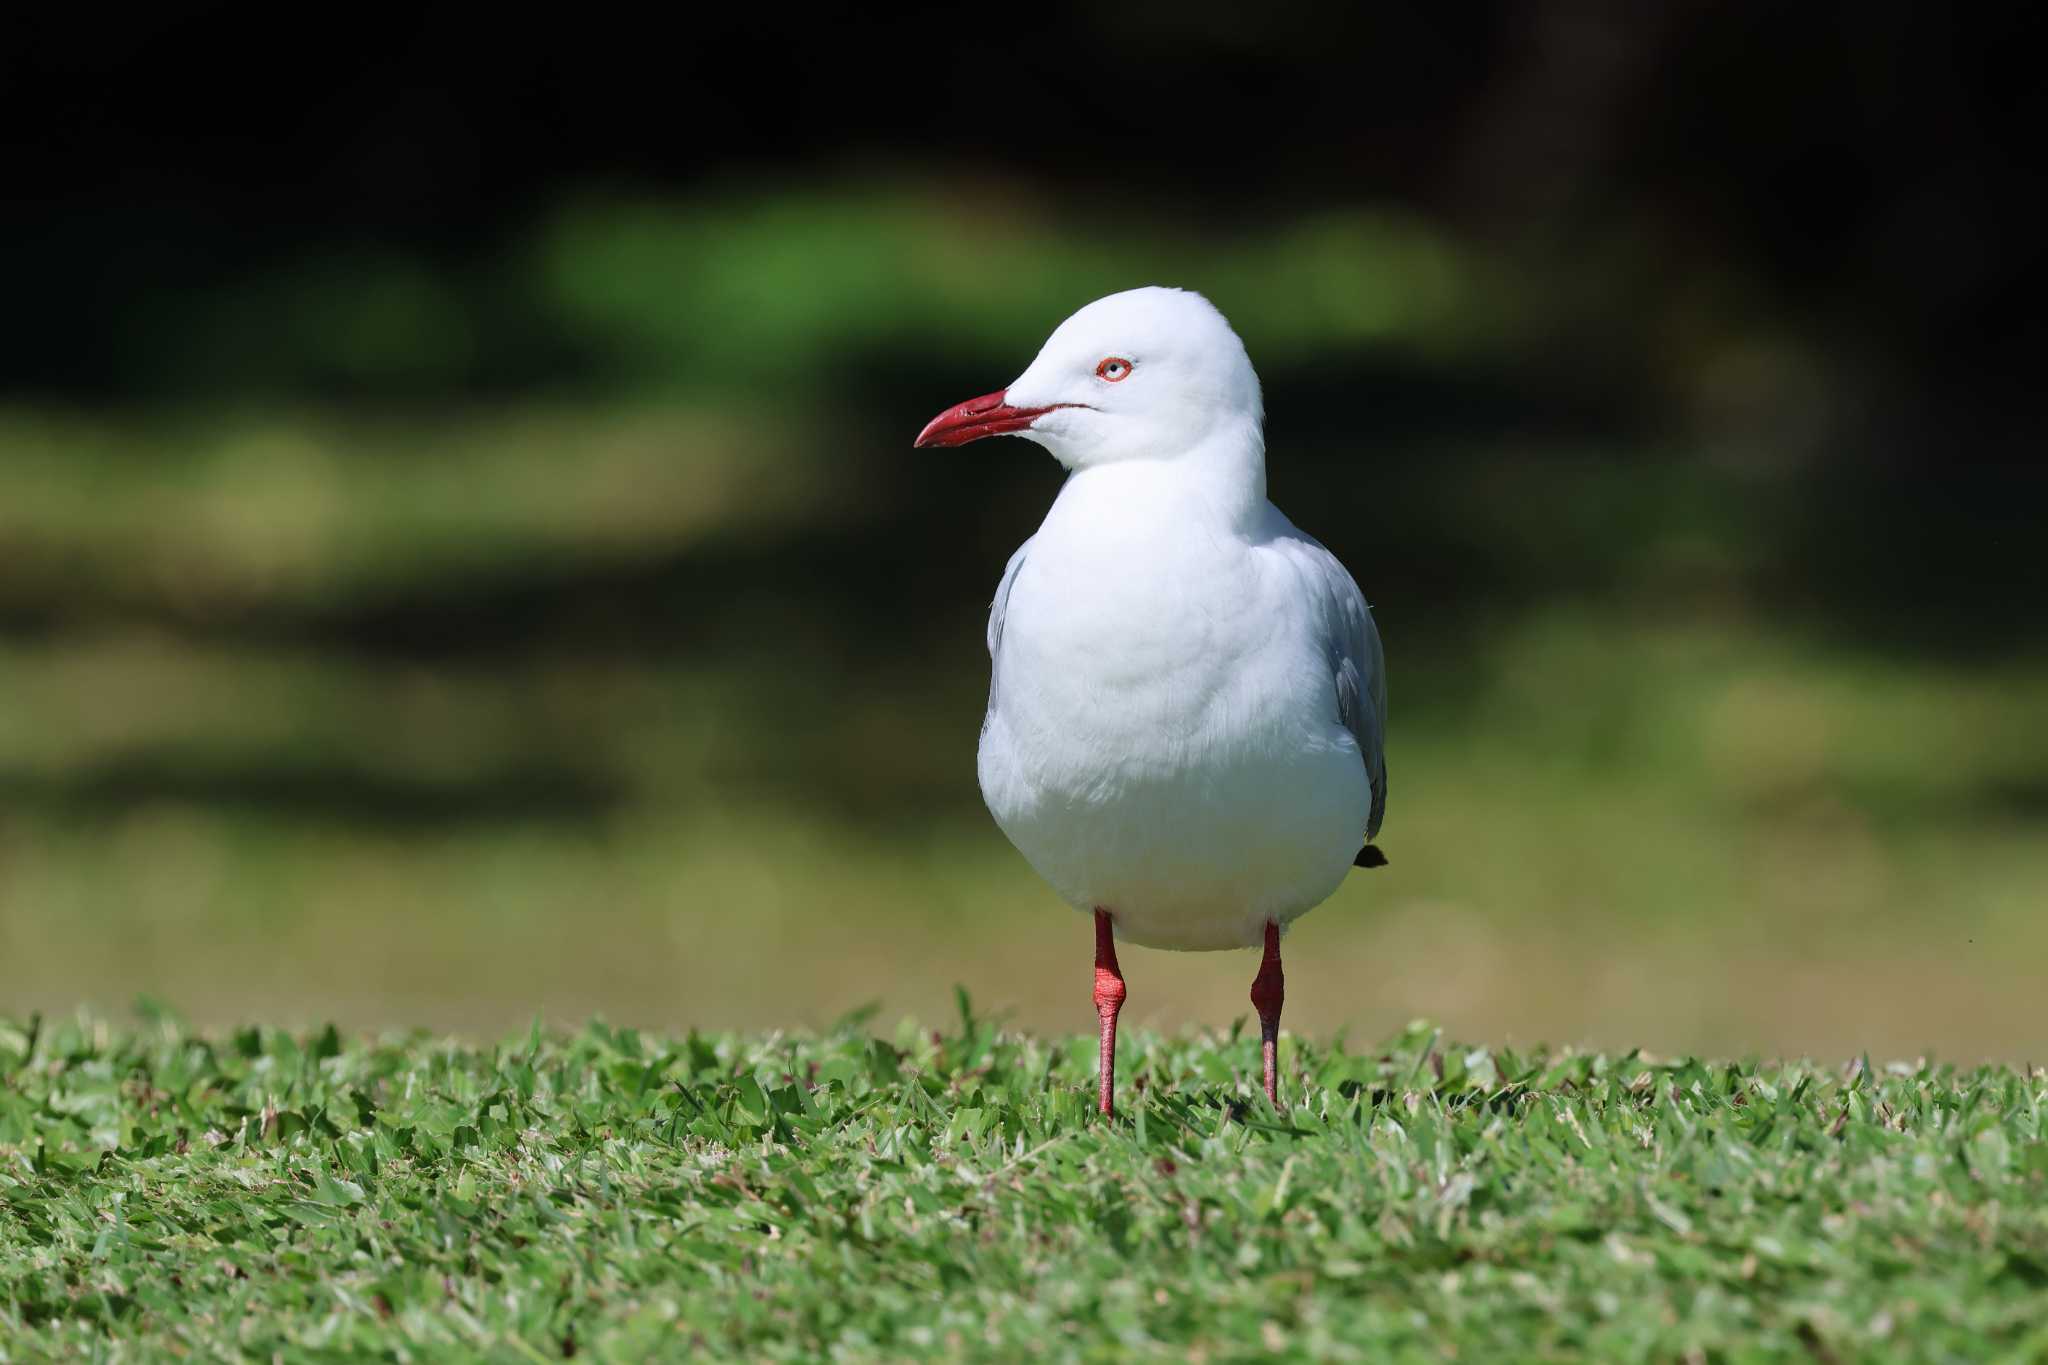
(1113, 369)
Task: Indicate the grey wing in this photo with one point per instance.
(998, 610)
(1357, 660)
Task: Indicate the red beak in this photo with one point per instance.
(988, 415)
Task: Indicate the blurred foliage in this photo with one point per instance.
(460, 551)
(767, 290)
(799, 289)
(668, 710)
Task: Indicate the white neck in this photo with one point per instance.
(1221, 480)
(1231, 464)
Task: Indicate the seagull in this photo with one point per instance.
(1187, 697)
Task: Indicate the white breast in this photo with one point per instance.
(1162, 738)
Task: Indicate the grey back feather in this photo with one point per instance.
(1356, 658)
(998, 611)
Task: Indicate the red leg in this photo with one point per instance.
(1109, 998)
(1269, 989)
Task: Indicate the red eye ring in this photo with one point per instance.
(1113, 370)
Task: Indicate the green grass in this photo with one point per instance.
(624, 1196)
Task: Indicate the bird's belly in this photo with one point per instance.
(1194, 809)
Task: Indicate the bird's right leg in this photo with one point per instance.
(1269, 992)
(1109, 998)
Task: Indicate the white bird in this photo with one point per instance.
(1188, 702)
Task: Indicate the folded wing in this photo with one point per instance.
(1357, 663)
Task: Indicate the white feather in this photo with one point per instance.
(1187, 704)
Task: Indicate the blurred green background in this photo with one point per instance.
(461, 555)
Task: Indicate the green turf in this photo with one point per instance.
(950, 1195)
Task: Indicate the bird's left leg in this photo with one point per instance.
(1109, 1001)
(1269, 989)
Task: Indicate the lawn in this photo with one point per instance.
(948, 1193)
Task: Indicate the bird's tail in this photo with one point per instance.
(1369, 856)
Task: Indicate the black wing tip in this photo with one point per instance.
(1369, 856)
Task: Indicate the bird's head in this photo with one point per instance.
(1146, 374)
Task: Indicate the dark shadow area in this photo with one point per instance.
(1857, 179)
